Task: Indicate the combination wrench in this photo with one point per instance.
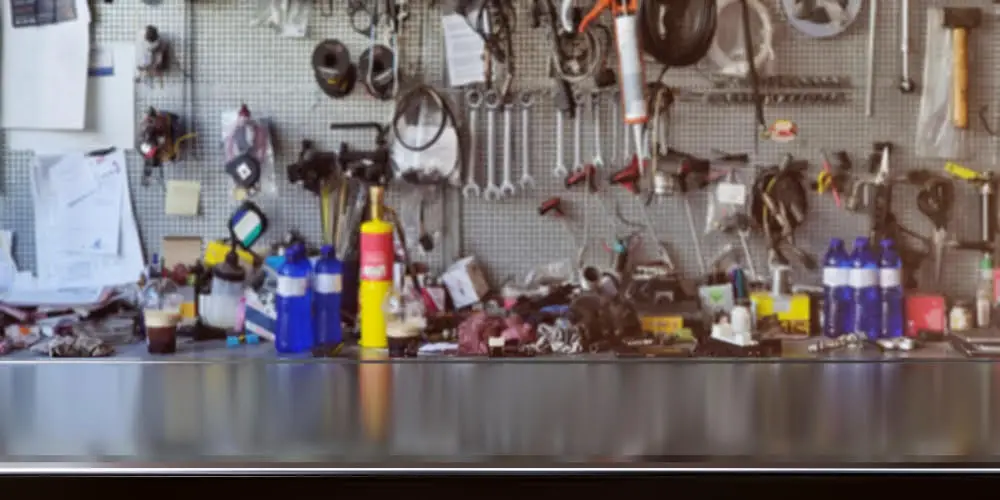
(906, 84)
(615, 116)
(473, 99)
(627, 145)
(560, 168)
(507, 187)
(577, 133)
(492, 102)
(595, 115)
(527, 100)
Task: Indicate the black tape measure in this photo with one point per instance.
(335, 73)
(376, 65)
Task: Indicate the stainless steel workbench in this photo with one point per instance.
(245, 407)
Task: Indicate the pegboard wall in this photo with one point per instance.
(234, 63)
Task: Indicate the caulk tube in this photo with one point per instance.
(631, 73)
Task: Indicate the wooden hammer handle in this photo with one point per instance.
(960, 76)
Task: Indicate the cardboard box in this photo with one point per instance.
(260, 318)
(466, 282)
(793, 311)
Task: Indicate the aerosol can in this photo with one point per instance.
(376, 263)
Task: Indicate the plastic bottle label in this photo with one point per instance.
(863, 278)
(292, 287)
(376, 257)
(889, 278)
(835, 276)
(329, 283)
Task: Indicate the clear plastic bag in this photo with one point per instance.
(727, 198)
(288, 18)
(728, 52)
(246, 135)
(937, 136)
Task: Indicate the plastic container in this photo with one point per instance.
(328, 284)
(984, 292)
(890, 280)
(865, 288)
(838, 300)
(293, 304)
(223, 304)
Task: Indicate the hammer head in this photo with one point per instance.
(962, 17)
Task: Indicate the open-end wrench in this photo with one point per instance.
(577, 136)
(560, 170)
(492, 102)
(507, 186)
(615, 117)
(595, 115)
(627, 145)
(906, 84)
(527, 100)
(473, 99)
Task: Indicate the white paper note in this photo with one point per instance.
(464, 50)
(43, 73)
(70, 182)
(93, 223)
(110, 115)
(61, 269)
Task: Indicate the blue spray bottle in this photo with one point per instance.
(890, 272)
(837, 297)
(867, 296)
(328, 284)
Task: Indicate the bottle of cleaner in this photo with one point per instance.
(864, 285)
(328, 284)
(890, 268)
(984, 292)
(837, 298)
(294, 326)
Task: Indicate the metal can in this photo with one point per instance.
(960, 317)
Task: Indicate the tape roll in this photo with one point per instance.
(332, 67)
(376, 71)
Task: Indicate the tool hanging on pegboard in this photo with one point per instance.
(161, 134)
(821, 18)
(154, 56)
(332, 67)
(248, 149)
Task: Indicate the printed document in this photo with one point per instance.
(110, 114)
(43, 73)
(67, 253)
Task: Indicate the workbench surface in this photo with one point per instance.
(209, 406)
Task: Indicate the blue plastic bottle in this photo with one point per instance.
(890, 272)
(294, 328)
(837, 296)
(864, 285)
(328, 283)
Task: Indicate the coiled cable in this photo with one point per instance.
(416, 96)
(677, 33)
(333, 70)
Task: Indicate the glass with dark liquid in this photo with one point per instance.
(161, 330)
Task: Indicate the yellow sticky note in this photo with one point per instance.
(182, 197)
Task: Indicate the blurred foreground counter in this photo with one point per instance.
(209, 407)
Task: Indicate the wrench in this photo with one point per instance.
(527, 100)
(595, 115)
(906, 84)
(627, 145)
(507, 187)
(473, 99)
(615, 115)
(560, 169)
(492, 191)
(577, 139)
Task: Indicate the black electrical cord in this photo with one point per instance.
(415, 97)
(779, 205)
(677, 33)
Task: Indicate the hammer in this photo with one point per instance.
(960, 20)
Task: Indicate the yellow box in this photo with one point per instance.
(216, 251)
(793, 311)
(665, 324)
